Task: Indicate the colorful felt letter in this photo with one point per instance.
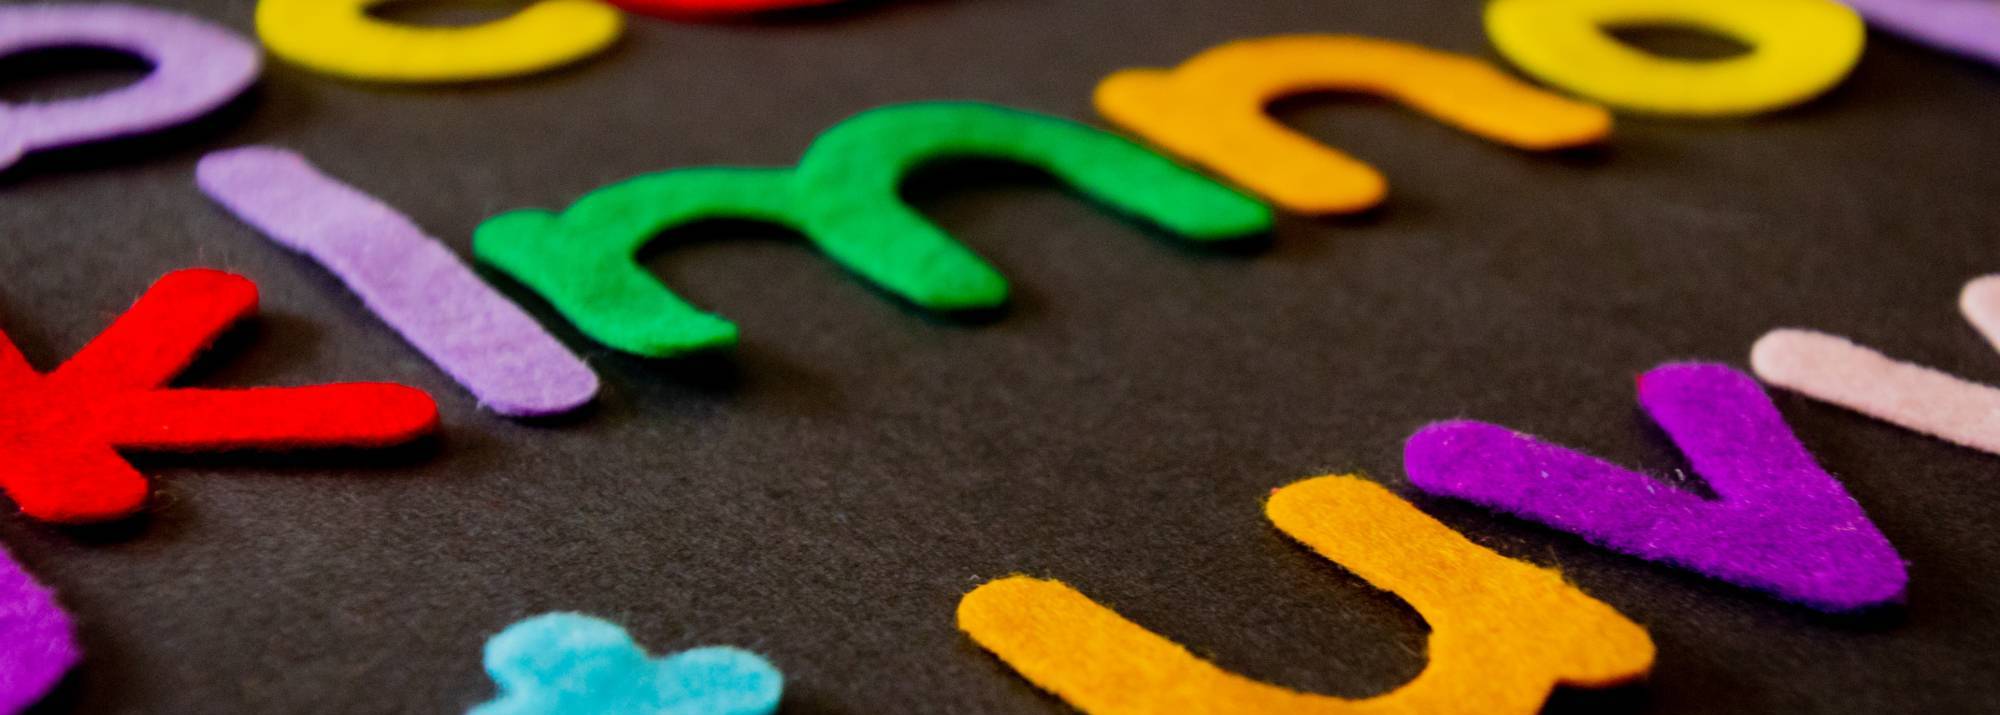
(843, 196)
(339, 38)
(1211, 111)
(409, 279)
(572, 664)
(1832, 369)
(1967, 27)
(197, 67)
(1503, 633)
(1799, 49)
(58, 431)
(1781, 524)
(37, 640)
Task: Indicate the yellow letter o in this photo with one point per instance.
(1799, 48)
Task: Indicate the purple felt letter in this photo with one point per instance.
(197, 67)
(36, 641)
(413, 282)
(1967, 27)
(1781, 524)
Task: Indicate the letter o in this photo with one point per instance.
(1799, 49)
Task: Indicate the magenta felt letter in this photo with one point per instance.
(1781, 523)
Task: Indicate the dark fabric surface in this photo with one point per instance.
(826, 493)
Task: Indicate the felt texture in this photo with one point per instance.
(59, 430)
(573, 664)
(1503, 633)
(338, 37)
(1799, 49)
(838, 482)
(1979, 302)
(196, 68)
(1966, 27)
(1211, 111)
(680, 8)
(1781, 523)
(37, 640)
(411, 280)
(843, 196)
(1833, 369)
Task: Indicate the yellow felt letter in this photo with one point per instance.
(1799, 48)
(1503, 633)
(338, 37)
(1210, 111)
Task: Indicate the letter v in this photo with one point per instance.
(1782, 524)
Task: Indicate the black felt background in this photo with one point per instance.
(826, 493)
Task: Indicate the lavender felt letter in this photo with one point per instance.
(197, 67)
(414, 283)
(1967, 27)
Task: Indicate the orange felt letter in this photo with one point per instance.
(1211, 111)
(1503, 633)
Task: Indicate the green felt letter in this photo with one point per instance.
(843, 197)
